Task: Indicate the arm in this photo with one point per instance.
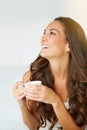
(47, 95)
(64, 117)
(29, 119)
(28, 110)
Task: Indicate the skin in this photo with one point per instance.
(57, 54)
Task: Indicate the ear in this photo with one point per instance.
(67, 47)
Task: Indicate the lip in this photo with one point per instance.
(44, 46)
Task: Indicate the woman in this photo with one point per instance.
(62, 68)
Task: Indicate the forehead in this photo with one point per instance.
(55, 25)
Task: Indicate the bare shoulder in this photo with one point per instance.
(26, 76)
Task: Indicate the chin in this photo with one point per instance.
(43, 55)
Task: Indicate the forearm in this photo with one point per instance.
(64, 117)
(28, 118)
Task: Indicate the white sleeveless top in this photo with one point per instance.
(57, 125)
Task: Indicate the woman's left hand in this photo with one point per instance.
(40, 93)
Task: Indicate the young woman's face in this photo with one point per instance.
(53, 41)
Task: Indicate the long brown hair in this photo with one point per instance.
(77, 77)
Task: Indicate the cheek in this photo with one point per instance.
(59, 48)
(56, 41)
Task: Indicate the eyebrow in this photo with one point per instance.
(52, 29)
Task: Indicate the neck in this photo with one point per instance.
(59, 69)
(60, 72)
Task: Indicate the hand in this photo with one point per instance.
(18, 91)
(40, 93)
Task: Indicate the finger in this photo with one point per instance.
(18, 92)
(34, 93)
(17, 88)
(33, 97)
(21, 96)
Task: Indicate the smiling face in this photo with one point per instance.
(53, 42)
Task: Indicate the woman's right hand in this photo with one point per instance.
(18, 92)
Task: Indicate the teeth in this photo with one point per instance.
(45, 46)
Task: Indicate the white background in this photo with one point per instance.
(22, 23)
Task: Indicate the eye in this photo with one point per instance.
(44, 32)
(52, 33)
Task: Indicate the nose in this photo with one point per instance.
(44, 38)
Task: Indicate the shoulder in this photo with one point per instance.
(26, 76)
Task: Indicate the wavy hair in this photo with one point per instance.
(77, 76)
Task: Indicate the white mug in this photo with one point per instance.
(36, 82)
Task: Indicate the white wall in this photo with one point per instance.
(22, 23)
